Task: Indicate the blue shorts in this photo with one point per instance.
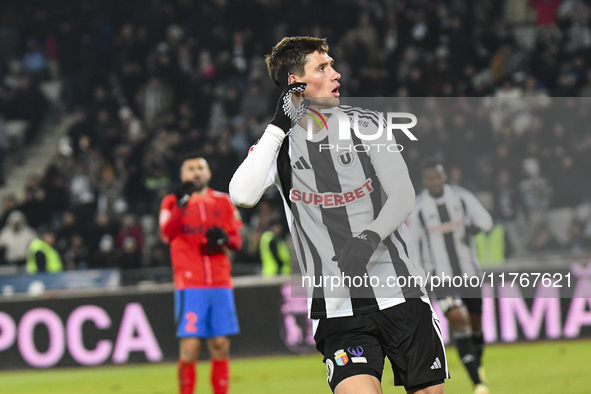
(205, 313)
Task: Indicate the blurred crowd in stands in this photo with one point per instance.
(22, 104)
(145, 81)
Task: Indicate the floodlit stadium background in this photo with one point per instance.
(99, 99)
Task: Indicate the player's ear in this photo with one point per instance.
(291, 79)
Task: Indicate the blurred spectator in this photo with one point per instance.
(67, 230)
(536, 194)
(275, 255)
(507, 207)
(545, 11)
(567, 191)
(579, 241)
(35, 207)
(97, 230)
(491, 247)
(57, 190)
(159, 255)
(34, 60)
(10, 204)
(110, 196)
(68, 46)
(15, 238)
(106, 256)
(255, 103)
(543, 239)
(130, 229)
(4, 146)
(81, 193)
(155, 100)
(76, 256)
(42, 257)
(131, 126)
(130, 257)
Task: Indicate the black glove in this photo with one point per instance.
(472, 229)
(357, 252)
(469, 231)
(286, 114)
(216, 236)
(183, 193)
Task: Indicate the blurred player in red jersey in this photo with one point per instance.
(201, 225)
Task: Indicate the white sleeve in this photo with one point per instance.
(393, 175)
(401, 200)
(477, 214)
(416, 230)
(419, 235)
(414, 225)
(258, 171)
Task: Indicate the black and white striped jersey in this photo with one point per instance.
(439, 225)
(333, 194)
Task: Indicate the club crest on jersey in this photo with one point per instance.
(341, 358)
(357, 352)
(345, 159)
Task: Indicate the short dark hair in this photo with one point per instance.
(44, 230)
(190, 156)
(289, 57)
(431, 162)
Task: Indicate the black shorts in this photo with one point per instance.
(408, 334)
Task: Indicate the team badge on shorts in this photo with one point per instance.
(341, 357)
(329, 369)
(357, 352)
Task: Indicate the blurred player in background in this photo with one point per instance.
(201, 225)
(443, 223)
(354, 328)
(275, 254)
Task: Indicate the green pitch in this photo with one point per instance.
(536, 368)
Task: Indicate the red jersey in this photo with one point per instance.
(194, 263)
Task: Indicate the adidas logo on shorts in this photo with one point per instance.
(436, 364)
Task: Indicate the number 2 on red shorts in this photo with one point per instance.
(191, 318)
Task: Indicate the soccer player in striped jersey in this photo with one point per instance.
(346, 210)
(201, 225)
(443, 222)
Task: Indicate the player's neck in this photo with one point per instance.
(202, 191)
(317, 122)
(437, 194)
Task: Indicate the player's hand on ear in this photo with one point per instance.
(287, 114)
